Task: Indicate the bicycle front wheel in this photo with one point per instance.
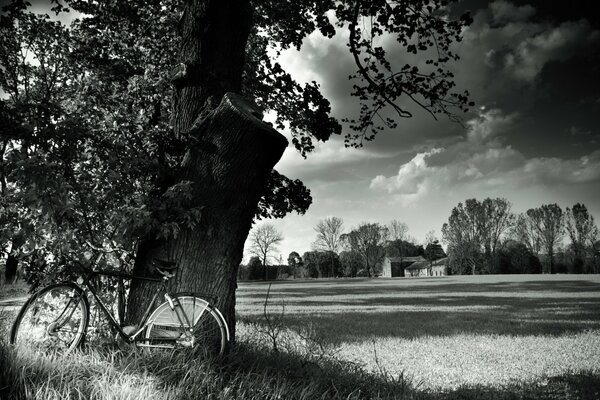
(55, 318)
(190, 322)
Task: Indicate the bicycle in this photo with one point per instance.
(57, 316)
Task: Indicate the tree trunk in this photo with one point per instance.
(10, 273)
(12, 261)
(231, 163)
(229, 171)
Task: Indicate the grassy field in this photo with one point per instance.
(445, 333)
(483, 337)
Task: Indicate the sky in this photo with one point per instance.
(533, 70)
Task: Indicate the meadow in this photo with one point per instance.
(445, 333)
(467, 337)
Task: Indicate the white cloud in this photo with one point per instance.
(410, 177)
(482, 163)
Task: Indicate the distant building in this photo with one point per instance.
(396, 266)
(426, 268)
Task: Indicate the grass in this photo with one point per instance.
(448, 333)
(9, 291)
(535, 337)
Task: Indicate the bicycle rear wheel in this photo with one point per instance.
(55, 318)
(192, 323)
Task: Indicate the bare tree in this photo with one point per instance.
(397, 230)
(329, 233)
(263, 242)
(397, 238)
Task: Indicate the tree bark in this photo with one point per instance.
(229, 170)
(230, 165)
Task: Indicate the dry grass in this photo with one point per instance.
(449, 333)
(431, 339)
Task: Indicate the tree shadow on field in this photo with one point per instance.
(248, 373)
(434, 308)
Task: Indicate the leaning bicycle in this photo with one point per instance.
(56, 317)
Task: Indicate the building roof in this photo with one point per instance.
(406, 259)
(425, 264)
(419, 265)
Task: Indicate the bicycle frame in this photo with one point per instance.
(142, 324)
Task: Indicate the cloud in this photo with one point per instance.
(481, 162)
(560, 43)
(330, 161)
(503, 11)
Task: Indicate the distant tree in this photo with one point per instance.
(595, 250)
(462, 235)
(516, 258)
(312, 264)
(295, 263)
(263, 242)
(329, 231)
(549, 223)
(583, 233)
(398, 230)
(255, 268)
(477, 228)
(399, 243)
(317, 264)
(434, 251)
(351, 262)
(368, 241)
(496, 219)
(402, 248)
(525, 231)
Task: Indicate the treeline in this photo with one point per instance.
(485, 237)
(335, 253)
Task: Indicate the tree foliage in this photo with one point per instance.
(474, 231)
(583, 233)
(322, 264)
(548, 221)
(368, 240)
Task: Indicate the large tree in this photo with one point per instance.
(131, 138)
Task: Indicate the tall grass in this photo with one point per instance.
(244, 374)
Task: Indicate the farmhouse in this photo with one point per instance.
(426, 268)
(395, 266)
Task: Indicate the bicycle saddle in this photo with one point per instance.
(164, 265)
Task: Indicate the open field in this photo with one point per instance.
(484, 337)
(449, 332)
